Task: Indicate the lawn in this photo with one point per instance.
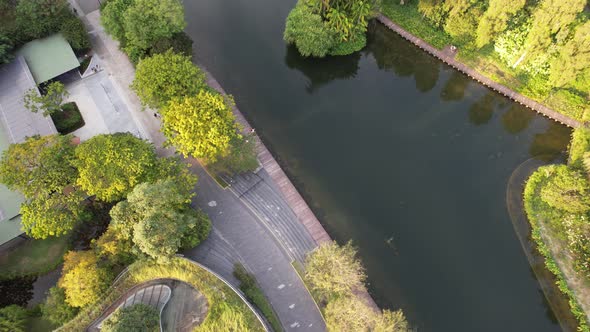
(69, 119)
(34, 257)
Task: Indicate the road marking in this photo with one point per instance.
(270, 268)
(292, 306)
(296, 324)
(281, 286)
(212, 203)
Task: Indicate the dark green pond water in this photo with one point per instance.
(397, 152)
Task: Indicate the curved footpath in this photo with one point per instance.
(448, 57)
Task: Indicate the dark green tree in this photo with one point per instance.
(6, 46)
(40, 18)
(495, 19)
(56, 309)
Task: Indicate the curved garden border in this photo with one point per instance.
(125, 281)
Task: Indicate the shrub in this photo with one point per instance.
(241, 158)
(136, 318)
(356, 43)
(68, 119)
(579, 145)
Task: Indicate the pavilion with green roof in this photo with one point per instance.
(49, 57)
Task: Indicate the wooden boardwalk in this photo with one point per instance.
(448, 56)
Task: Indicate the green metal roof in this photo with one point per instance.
(10, 201)
(49, 57)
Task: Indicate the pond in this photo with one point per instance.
(397, 152)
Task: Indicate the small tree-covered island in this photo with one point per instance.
(136, 196)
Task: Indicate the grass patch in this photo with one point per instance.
(34, 257)
(227, 311)
(250, 288)
(68, 120)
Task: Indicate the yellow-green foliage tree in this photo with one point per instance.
(201, 126)
(434, 10)
(463, 18)
(573, 57)
(334, 270)
(162, 77)
(495, 19)
(568, 190)
(551, 20)
(348, 314)
(53, 215)
(83, 279)
(39, 166)
(111, 165)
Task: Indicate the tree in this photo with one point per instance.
(55, 309)
(495, 19)
(573, 58)
(147, 21)
(308, 32)
(163, 77)
(391, 321)
(201, 126)
(433, 10)
(53, 215)
(50, 102)
(75, 33)
(6, 46)
(159, 220)
(112, 18)
(136, 318)
(179, 43)
(334, 271)
(39, 166)
(13, 319)
(551, 19)
(348, 314)
(40, 18)
(463, 18)
(567, 190)
(83, 280)
(111, 165)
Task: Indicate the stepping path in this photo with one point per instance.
(448, 56)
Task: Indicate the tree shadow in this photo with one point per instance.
(482, 110)
(552, 143)
(393, 53)
(321, 71)
(517, 118)
(454, 89)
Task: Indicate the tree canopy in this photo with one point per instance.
(334, 271)
(136, 318)
(82, 279)
(49, 102)
(495, 19)
(201, 126)
(163, 77)
(306, 30)
(158, 219)
(39, 166)
(53, 215)
(111, 165)
(573, 57)
(568, 190)
(13, 319)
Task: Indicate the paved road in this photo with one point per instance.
(237, 235)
